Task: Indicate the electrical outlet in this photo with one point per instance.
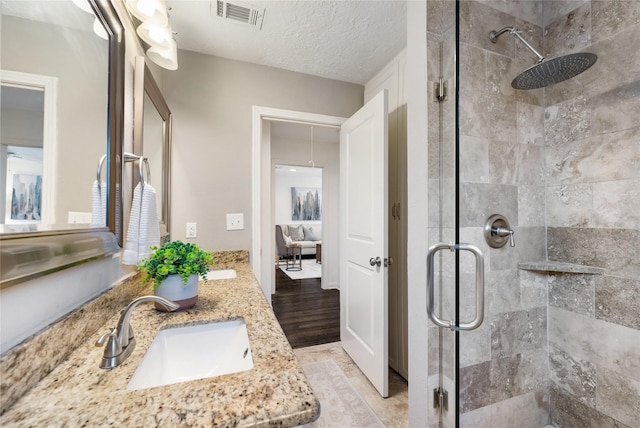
(74, 217)
(235, 221)
(191, 230)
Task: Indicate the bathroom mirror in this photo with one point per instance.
(72, 52)
(152, 139)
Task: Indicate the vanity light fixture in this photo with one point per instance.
(166, 58)
(155, 35)
(149, 11)
(154, 30)
(84, 5)
(98, 28)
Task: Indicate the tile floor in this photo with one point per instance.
(392, 411)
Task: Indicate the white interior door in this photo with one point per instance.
(363, 240)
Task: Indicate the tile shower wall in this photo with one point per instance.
(504, 364)
(592, 135)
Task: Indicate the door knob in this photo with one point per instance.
(375, 262)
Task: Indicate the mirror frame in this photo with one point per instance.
(29, 255)
(144, 83)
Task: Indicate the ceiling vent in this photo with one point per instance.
(240, 12)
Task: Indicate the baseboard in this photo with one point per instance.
(332, 286)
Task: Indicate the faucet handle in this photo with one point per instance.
(113, 347)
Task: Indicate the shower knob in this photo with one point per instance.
(497, 231)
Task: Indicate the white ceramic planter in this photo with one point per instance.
(172, 288)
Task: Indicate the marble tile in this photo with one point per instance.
(531, 205)
(606, 118)
(554, 9)
(504, 161)
(433, 362)
(567, 122)
(609, 17)
(530, 165)
(433, 53)
(617, 300)
(567, 412)
(604, 344)
(501, 70)
(529, 410)
(487, 116)
(615, 67)
(573, 292)
(474, 159)
(475, 386)
(606, 157)
(440, 16)
(570, 33)
(574, 377)
(433, 196)
(530, 121)
(612, 249)
(502, 292)
(433, 140)
(473, 69)
(516, 332)
(570, 205)
(524, 9)
(533, 289)
(534, 35)
(616, 203)
(503, 378)
(479, 201)
(530, 245)
(475, 346)
(618, 396)
(478, 20)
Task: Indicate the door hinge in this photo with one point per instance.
(441, 90)
(440, 399)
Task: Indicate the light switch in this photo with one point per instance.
(235, 221)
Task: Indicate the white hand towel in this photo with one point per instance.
(144, 229)
(99, 203)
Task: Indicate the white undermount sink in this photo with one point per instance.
(221, 274)
(181, 354)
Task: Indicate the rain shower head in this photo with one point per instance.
(547, 72)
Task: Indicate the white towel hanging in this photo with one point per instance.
(99, 203)
(144, 229)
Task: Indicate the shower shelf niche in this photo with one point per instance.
(551, 266)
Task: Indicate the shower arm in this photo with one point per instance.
(493, 36)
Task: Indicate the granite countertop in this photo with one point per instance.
(274, 393)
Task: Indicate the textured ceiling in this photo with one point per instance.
(343, 40)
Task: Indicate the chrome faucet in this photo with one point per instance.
(120, 341)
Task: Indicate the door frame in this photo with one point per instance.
(262, 254)
(49, 86)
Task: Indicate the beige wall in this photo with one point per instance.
(211, 100)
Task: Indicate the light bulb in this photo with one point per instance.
(165, 57)
(155, 35)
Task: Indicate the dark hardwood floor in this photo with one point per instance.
(308, 314)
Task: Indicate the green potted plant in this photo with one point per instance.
(173, 268)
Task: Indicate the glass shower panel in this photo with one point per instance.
(441, 43)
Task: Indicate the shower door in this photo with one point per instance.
(455, 260)
(442, 222)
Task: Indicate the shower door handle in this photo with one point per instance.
(479, 317)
